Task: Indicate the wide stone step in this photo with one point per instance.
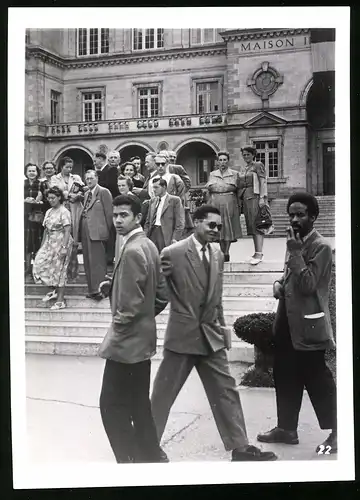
(88, 346)
(79, 326)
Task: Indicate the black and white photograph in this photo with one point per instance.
(175, 320)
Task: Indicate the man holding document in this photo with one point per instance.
(302, 328)
(196, 335)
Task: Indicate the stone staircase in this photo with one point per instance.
(80, 328)
(325, 223)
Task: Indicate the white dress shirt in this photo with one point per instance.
(159, 210)
(199, 246)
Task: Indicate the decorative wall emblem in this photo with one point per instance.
(265, 81)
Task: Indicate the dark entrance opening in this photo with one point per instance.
(328, 153)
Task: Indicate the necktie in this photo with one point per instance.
(88, 201)
(205, 260)
(155, 212)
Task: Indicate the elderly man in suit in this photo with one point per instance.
(95, 225)
(196, 335)
(107, 174)
(137, 293)
(302, 328)
(165, 218)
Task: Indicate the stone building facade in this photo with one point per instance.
(195, 91)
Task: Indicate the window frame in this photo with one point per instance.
(143, 39)
(195, 81)
(59, 102)
(202, 36)
(91, 90)
(99, 42)
(136, 98)
(198, 160)
(266, 140)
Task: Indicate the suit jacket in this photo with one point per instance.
(195, 315)
(138, 293)
(181, 172)
(172, 218)
(99, 214)
(306, 282)
(108, 179)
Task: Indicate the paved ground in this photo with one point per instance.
(64, 425)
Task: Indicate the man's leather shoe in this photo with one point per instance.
(252, 454)
(329, 446)
(277, 435)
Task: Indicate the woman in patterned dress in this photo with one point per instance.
(32, 214)
(254, 195)
(223, 188)
(52, 260)
(73, 189)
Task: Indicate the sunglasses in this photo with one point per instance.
(213, 225)
(160, 164)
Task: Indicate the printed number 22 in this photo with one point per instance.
(324, 450)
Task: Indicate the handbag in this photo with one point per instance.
(36, 217)
(263, 220)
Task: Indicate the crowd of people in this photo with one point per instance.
(141, 230)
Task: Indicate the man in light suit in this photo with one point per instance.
(137, 293)
(165, 219)
(302, 328)
(95, 225)
(196, 335)
(175, 185)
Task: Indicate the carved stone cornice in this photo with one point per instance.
(257, 34)
(118, 59)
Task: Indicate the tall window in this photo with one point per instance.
(148, 99)
(92, 106)
(201, 36)
(54, 106)
(148, 38)
(268, 154)
(93, 41)
(204, 167)
(207, 97)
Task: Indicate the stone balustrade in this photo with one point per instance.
(136, 125)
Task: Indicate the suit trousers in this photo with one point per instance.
(110, 246)
(157, 237)
(219, 386)
(94, 258)
(126, 412)
(295, 370)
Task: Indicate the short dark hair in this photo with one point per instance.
(135, 158)
(223, 153)
(307, 199)
(128, 181)
(99, 154)
(63, 161)
(92, 171)
(249, 149)
(132, 201)
(30, 164)
(57, 192)
(123, 166)
(48, 161)
(203, 211)
(161, 181)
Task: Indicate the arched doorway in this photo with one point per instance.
(198, 159)
(128, 152)
(82, 160)
(320, 110)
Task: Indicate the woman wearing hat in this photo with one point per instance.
(223, 188)
(254, 195)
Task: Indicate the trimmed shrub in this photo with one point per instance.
(256, 329)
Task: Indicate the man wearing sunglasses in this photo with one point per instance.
(175, 185)
(196, 335)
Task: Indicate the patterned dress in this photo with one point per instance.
(224, 191)
(249, 198)
(50, 268)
